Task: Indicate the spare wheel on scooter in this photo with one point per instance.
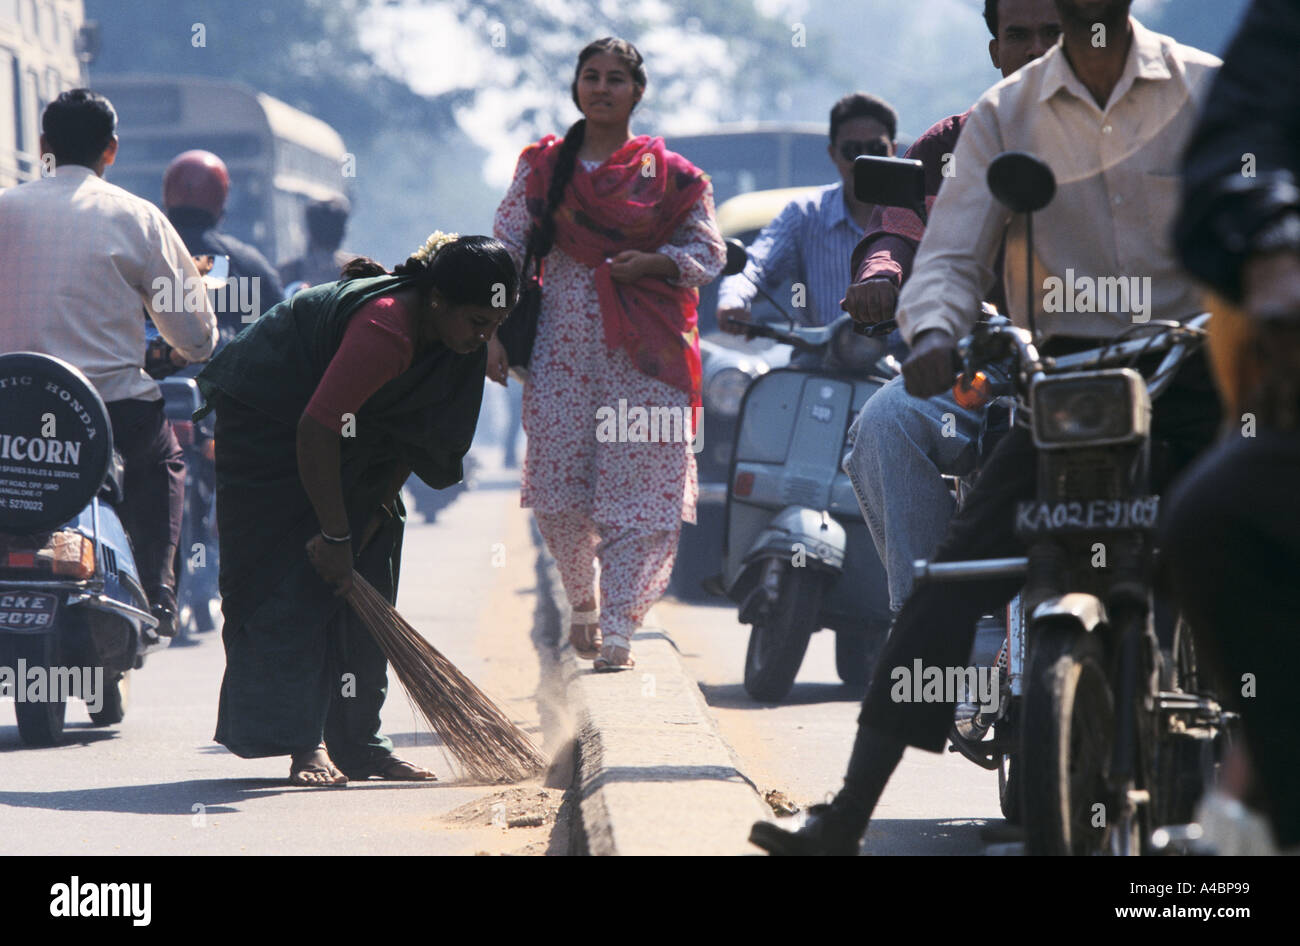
(56, 443)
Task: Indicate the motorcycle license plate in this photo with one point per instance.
(1094, 515)
(23, 611)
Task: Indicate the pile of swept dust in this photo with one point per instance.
(534, 807)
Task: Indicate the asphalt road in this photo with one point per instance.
(157, 784)
(935, 804)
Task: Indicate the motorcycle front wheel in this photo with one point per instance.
(117, 696)
(778, 642)
(1067, 731)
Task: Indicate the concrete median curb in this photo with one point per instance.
(654, 775)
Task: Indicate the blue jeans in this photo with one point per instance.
(902, 448)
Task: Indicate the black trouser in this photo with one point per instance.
(1232, 549)
(937, 622)
(154, 488)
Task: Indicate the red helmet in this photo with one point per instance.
(196, 179)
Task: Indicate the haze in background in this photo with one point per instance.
(436, 97)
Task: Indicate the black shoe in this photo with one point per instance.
(166, 620)
(823, 835)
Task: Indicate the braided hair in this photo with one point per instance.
(566, 161)
(466, 270)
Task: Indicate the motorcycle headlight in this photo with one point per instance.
(1090, 409)
(855, 353)
(725, 390)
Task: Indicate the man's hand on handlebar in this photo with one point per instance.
(929, 369)
(727, 317)
(871, 301)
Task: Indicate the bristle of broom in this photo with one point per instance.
(475, 731)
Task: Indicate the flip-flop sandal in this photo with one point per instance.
(616, 654)
(586, 643)
(315, 767)
(399, 770)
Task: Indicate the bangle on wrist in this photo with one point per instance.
(336, 540)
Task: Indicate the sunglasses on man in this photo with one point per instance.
(877, 147)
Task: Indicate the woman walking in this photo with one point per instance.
(325, 406)
(627, 231)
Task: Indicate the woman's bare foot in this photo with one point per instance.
(314, 768)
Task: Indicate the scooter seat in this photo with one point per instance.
(111, 489)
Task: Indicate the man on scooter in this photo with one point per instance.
(80, 262)
(813, 235)
(903, 446)
(1109, 110)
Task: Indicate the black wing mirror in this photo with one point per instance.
(1021, 182)
(737, 257)
(893, 182)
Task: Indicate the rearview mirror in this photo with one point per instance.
(214, 270)
(893, 182)
(1021, 182)
(737, 257)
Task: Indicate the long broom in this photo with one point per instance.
(478, 734)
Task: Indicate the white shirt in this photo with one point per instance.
(80, 262)
(1116, 195)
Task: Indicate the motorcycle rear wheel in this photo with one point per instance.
(1067, 731)
(39, 723)
(778, 643)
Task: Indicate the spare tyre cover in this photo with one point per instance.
(55, 442)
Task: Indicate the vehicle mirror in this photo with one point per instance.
(1021, 182)
(737, 257)
(214, 270)
(893, 182)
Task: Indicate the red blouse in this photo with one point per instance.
(378, 345)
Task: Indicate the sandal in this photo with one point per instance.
(315, 769)
(616, 654)
(393, 769)
(584, 633)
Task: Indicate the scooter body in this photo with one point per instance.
(797, 553)
(74, 619)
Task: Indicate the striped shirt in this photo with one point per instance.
(810, 243)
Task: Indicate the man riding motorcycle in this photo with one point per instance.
(903, 446)
(327, 220)
(79, 258)
(1241, 235)
(196, 186)
(1130, 102)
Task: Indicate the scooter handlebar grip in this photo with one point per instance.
(876, 330)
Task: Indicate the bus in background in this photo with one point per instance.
(44, 48)
(757, 156)
(279, 158)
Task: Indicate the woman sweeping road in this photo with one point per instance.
(324, 407)
(627, 231)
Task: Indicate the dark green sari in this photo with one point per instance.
(299, 665)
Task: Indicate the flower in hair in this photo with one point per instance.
(437, 240)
